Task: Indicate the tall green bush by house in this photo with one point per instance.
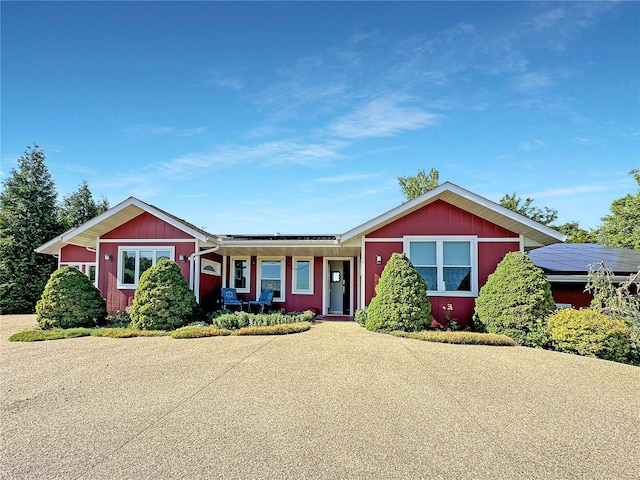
(515, 301)
(163, 300)
(401, 301)
(590, 333)
(70, 300)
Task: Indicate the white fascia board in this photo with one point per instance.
(432, 195)
(277, 243)
(131, 201)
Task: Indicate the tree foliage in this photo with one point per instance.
(544, 215)
(621, 228)
(80, 207)
(575, 234)
(163, 300)
(401, 301)
(415, 185)
(515, 300)
(28, 218)
(70, 300)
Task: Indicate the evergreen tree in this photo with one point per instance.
(415, 185)
(80, 207)
(401, 301)
(28, 218)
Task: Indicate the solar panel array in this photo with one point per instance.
(576, 258)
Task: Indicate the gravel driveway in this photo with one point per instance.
(334, 402)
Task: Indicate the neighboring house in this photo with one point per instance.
(454, 238)
(566, 266)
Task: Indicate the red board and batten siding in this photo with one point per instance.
(439, 219)
(76, 254)
(145, 230)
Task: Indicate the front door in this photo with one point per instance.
(339, 287)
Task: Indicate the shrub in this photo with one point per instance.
(162, 300)
(401, 301)
(279, 329)
(590, 333)
(361, 316)
(236, 320)
(460, 338)
(70, 300)
(515, 301)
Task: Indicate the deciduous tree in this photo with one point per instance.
(415, 185)
(541, 215)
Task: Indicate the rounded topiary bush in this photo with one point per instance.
(401, 301)
(163, 300)
(70, 300)
(515, 301)
(590, 333)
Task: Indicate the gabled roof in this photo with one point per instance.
(575, 258)
(534, 232)
(86, 234)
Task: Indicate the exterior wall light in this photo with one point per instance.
(107, 257)
(378, 259)
(183, 257)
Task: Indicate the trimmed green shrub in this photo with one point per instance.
(236, 320)
(589, 333)
(70, 300)
(459, 338)
(361, 316)
(401, 301)
(515, 301)
(163, 300)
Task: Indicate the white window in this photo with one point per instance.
(89, 269)
(134, 261)
(302, 279)
(271, 277)
(448, 264)
(240, 274)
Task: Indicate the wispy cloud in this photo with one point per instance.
(151, 129)
(571, 190)
(532, 145)
(532, 83)
(383, 117)
(349, 177)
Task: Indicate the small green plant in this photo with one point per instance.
(461, 338)
(237, 320)
(590, 333)
(401, 301)
(450, 323)
(120, 319)
(70, 300)
(515, 300)
(361, 316)
(163, 300)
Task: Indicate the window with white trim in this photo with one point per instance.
(134, 261)
(302, 279)
(448, 264)
(271, 277)
(240, 274)
(88, 268)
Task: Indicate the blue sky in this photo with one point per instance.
(299, 117)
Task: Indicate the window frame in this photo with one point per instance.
(440, 266)
(294, 276)
(232, 278)
(283, 277)
(84, 267)
(154, 248)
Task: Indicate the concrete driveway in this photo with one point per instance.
(334, 402)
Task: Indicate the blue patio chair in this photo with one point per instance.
(266, 296)
(230, 298)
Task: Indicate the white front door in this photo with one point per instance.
(336, 287)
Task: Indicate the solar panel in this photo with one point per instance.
(576, 258)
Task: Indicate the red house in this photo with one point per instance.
(454, 238)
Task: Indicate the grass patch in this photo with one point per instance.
(121, 332)
(281, 329)
(37, 335)
(199, 332)
(460, 338)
